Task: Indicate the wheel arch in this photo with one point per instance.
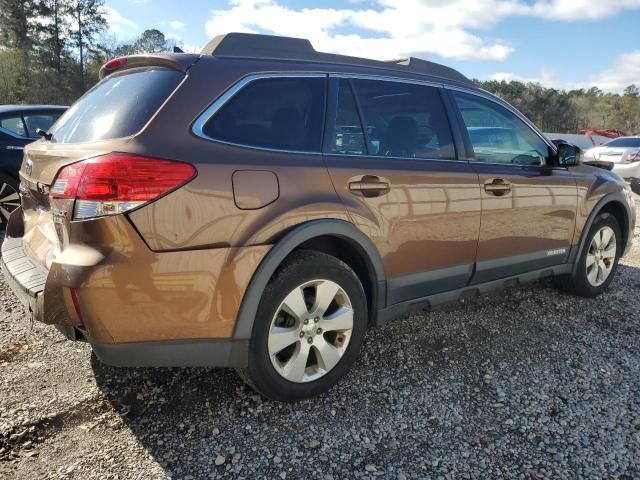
(328, 236)
(614, 204)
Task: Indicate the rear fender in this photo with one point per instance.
(287, 244)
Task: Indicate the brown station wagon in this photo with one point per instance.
(261, 205)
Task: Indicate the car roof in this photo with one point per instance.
(250, 46)
(27, 108)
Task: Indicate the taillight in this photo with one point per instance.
(115, 63)
(631, 157)
(118, 182)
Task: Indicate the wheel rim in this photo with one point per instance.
(9, 201)
(310, 331)
(601, 256)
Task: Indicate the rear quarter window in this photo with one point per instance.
(280, 113)
(118, 106)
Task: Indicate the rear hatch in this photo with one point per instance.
(106, 119)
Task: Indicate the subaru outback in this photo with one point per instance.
(261, 205)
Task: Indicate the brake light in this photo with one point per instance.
(118, 182)
(631, 157)
(115, 63)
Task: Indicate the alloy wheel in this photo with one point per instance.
(310, 331)
(9, 201)
(601, 256)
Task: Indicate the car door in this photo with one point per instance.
(528, 206)
(401, 182)
(12, 141)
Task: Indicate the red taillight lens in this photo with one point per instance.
(118, 182)
(115, 63)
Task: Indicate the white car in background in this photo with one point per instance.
(623, 152)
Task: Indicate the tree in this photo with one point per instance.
(88, 22)
(16, 27)
(632, 91)
(152, 41)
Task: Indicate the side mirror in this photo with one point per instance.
(568, 155)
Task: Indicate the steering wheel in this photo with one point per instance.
(531, 157)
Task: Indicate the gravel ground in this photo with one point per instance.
(530, 383)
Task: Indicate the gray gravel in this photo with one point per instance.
(530, 383)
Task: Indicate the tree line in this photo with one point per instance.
(561, 111)
(51, 52)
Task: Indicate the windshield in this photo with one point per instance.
(118, 106)
(633, 142)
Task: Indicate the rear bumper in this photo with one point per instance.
(136, 307)
(25, 277)
(176, 353)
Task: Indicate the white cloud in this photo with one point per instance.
(119, 24)
(624, 71)
(571, 10)
(176, 24)
(399, 28)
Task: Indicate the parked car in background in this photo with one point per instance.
(262, 204)
(622, 152)
(19, 126)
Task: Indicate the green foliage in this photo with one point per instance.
(560, 111)
(51, 51)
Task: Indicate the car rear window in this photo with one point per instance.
(278, 113)
(118, 106)
(627, 142)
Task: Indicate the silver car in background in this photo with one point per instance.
(623, 152)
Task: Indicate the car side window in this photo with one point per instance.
(281, 113)
(14, 124)
(498, 135)
(347, 136)
(35, 121)
(404, 120)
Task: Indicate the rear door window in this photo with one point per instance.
(118, 106)
(283, 113)
(346, 137)
(404, 120)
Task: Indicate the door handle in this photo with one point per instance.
(497, 187)
(370, 186)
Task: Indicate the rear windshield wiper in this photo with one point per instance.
(44, 134)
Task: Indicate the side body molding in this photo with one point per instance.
(289, 242)
(609, 198)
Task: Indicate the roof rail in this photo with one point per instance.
(271, 47)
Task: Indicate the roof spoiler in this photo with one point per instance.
(181, 62)
(270, 47)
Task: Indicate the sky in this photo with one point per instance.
(563, 44)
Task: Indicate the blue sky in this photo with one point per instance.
(559, 43)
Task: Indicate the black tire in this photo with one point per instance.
(301, 267)
(9, 191)
(578, 283)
